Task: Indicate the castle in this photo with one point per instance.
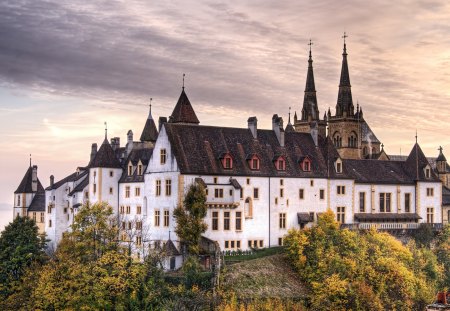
(259, 183)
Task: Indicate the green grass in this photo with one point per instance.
(259, 253)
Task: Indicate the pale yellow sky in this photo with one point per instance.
(65, 68)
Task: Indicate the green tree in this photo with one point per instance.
(190, 218)
(20, 246)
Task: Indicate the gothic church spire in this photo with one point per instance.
(344, 106)
(310, 110)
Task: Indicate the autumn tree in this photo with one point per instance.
(20, 246)
(190, 218)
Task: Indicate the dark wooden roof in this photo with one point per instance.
(183, 111)
(26, 186)
(105, 157)
(198, 149)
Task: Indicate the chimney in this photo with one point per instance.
(115, 143)
(315, 132)
(277, 127)
(253, 126)
(52, 181)
(161, 121)
(93, 151)
(34, 179)
(129, 141)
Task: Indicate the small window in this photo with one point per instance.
(128, 210)
(218, 193)
(226, 220)
(256, 193)
(157, 216)
(340, 190)
(227, 162)
(215, 180)
(49, 223)
(241, 193)
(215, 221)
(166, 218)
(261, 243)
(280, 164)
(138, 209)
(248, 181)
(158, 187)
(427, 173)
(362, 202)
(281, 182)
(111, 173)
(238, 221)
(306, 165)
(281, 193)
(140, 169)
(130, 170)
(42, 217)
(231, 192)
(311, 182)
(163, 156)
(430, 192)
(254, 163)
(322, 194)
(282, 220)
(276, 200)
(168, 187)
(127, 191)
(301, 194)
(407, 202)
(137, 191)
(110, 190)
(122, 209)
(94, 188)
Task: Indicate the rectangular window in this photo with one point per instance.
(231, 192)
(385, 202)
(281, 193)
(215, 221)
(157, 214)
(276, 200)
(139, 169)
(311, 216)
(218, 193)
(138, 241)
(430, 215)
(226, 220)
(137, 192)
(111, 173)
(341, 190)
(139, 225)
(241, 194)
(128, 210)
(42, 217)
(166, 218)
(110, 190)
(34, 216)
(18, 200)
(322, 194)
(362, 202)
(407, 202)
(130, 225)
(282, 221)
(168, 187)
(215, 180)
(138, 209)
(127, 191)
(232, 244)
(49, 223)
(238, 221)
(94, 188)
(122, 209)
(130, 170)
(256, 193)
(248, 181)
(280, 242)
(340, 215)
(430, 192)
(249, 243)
(261, 243)
(301, 194)
(163, 156)
(238, 244)
(124, 225)
(227, 244)
(158, 187)
(281, 182)
(311, 183)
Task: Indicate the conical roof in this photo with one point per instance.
(26, 185)
(105, 157)
(415, 163)
(310, 108)
(150, 133)
(441, 156)
(183, 111)
(345, 101)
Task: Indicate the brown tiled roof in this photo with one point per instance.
(198, 149)
(25, 185)
(183, 111)
(105, 157)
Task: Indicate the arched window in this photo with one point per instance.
(353, 140)
(248, 208)
(337, 140)
(227, 161)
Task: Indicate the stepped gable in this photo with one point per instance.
(183, 111)
(415, 164)
(198, 150)
(38, 203)
(105, 157)
(150, 133)
(143, 154)
(25, 185)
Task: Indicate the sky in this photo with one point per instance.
(66, 67)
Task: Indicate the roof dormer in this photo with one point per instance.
(338, 165)
(305, 163)
(253, 161)
(280, 163)
(227, 160)
(427, 171)
(140, 168)
(130, 168)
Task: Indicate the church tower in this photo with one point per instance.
(310, 118)
(347, 127)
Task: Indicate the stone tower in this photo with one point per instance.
(347, 129)
(310, 118)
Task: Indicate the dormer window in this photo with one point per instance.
(305, 164)
(338, 166)
(227, 161)
(254, 162)
(130, 169)
(427, 171)
(280, 163)
(139, 169)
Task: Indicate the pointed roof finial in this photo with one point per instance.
(416, 136)
(440, 149)
(289, 120)
(106, 130)
(151, 105)
(310, 44)
(183, 79)
(30, 159)
(382, 146)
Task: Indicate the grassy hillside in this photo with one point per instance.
(267, 277)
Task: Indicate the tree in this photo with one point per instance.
(190, 218)
(20, 246)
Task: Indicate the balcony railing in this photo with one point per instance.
(389, 226)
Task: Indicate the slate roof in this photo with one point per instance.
(416, 162)
(105, 157)
(368, 135)
(150, 133)
(78, 188)
(198, 149)
(445, 196)
(142, 154)
(56, 185)
(303, 218)
(170, 249)
(378, 171)
(183, 111)
(25, 185)
(344, 101)
(38, 203)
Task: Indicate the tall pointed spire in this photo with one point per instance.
(344, 104)
(289, 127)
(310, 110)
(149, 133)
